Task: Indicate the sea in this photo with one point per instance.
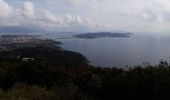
(139, 49)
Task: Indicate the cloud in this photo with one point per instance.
(5, 9)
(87, 15)
(28, 17)
(67, 2)
(28, 9)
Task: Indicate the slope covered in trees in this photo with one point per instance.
(51, 73)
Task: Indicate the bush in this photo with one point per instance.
(24, 92)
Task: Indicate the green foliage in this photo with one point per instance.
(25, 92)
(56, 74)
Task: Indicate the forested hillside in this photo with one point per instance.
(51, 73)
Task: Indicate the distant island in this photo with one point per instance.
(101, 35)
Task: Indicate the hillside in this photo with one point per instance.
(51, 73)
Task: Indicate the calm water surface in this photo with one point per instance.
(135, 50)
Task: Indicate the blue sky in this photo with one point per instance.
(150, 16)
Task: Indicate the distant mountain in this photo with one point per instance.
(102, 34)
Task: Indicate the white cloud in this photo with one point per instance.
(28, 16)
(28, 9)
(68, 2)
(89, 15)
(5, 9)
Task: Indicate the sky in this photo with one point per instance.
(142, 16)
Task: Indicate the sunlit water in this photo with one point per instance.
(135, 50)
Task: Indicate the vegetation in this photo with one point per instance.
(51, 73)
(102, 34)
(22, 91)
